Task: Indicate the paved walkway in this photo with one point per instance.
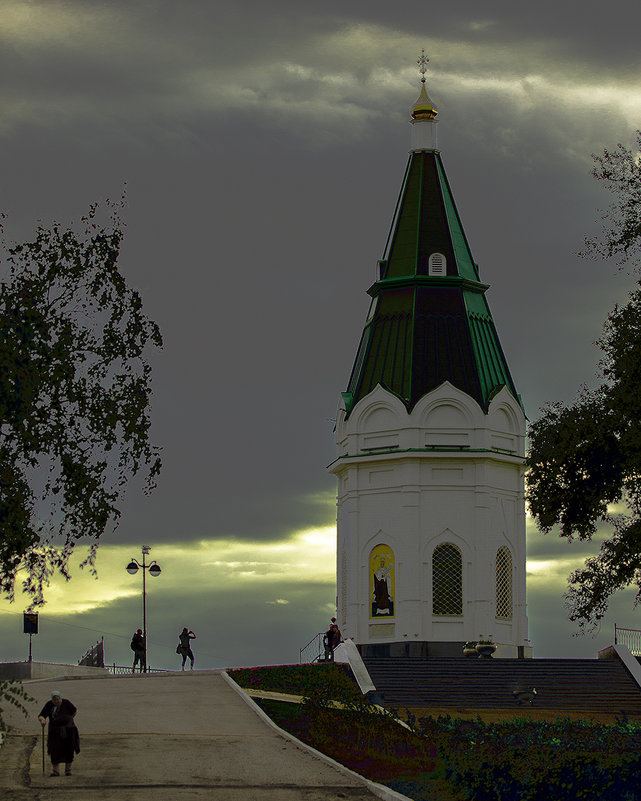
(176, 737)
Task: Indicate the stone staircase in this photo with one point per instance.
(593, 685)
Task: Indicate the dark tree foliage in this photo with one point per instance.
(74, 396)
(620, 170)
(586, 457)
(13, 693)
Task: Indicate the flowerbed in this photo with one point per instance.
(449, 759)
(523, 760)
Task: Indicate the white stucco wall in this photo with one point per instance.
(446, 473)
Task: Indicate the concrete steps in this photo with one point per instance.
(561, 684)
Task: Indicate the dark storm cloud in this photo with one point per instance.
(105, 65)
(549, 546)
(193, 510)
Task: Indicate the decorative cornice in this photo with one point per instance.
(435, 451)
(427, 280)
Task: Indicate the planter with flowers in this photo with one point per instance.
(469, 649)
(485, 648)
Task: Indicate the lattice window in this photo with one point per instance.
(447, 580)
(504, 583)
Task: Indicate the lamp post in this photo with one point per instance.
(154, 570)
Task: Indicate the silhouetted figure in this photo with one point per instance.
(184, 648)
(138, 647)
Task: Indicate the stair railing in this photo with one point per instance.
(313, 649)
(631, 638)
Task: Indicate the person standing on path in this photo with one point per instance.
(62, 738)
(138, 647)
(184, 647)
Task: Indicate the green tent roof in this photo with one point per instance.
(425, 329)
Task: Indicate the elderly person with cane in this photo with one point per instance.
(62, 739)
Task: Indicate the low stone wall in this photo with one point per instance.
(24, 671)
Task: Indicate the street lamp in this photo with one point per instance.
(154, 570)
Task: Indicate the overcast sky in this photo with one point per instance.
(262, 147)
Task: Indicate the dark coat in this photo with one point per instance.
(336, 638)
(63, 739)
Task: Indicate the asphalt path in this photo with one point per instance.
(155, 737)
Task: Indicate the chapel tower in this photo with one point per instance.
(430, 435)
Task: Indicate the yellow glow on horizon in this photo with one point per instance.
(308, 556)
(540, 566)
(230, 566)
(550, 570)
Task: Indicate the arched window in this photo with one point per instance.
(437, 264)
(447, 580)
(504, 583)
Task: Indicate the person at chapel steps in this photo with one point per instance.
(331, 639)
(62, 739)
(184, 646)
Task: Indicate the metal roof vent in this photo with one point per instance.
(437, 264)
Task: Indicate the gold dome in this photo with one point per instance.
(424, 109)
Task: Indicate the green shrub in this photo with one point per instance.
(331, 680)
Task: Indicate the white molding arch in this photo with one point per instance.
(378, 398)
(504, 402)
(502, 419)
(378, 418)
(445, 535)
(381, 537)
(448, 395)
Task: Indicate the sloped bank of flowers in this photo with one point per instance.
(449, 759)
(370, 743)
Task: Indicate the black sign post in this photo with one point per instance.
(30, 627)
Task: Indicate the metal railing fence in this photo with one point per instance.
(122, 669)
(631, 638)
(94, 656)
(313, 650)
